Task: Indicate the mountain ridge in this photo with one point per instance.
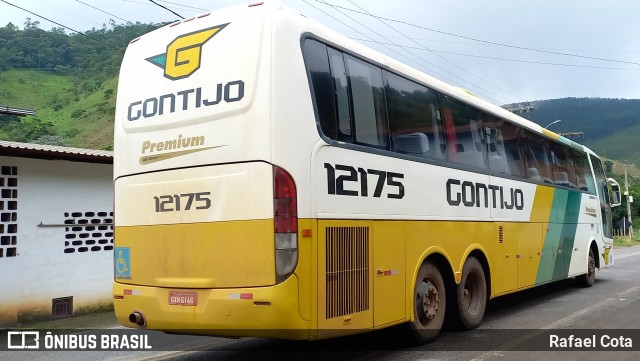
(75, 79)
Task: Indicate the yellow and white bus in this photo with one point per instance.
(274, 178)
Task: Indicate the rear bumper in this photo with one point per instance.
(235, 312)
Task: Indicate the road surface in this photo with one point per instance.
(511, 322)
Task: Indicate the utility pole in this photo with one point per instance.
(629, 200)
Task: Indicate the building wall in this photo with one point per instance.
(40, 201)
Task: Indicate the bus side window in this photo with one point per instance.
(462, 129)
(583, 172)
(535, 150)
(317, 63)
(413, 119)
(503, 153)
(340, 87)
(369, 108)
(562, 166)
(532, 172)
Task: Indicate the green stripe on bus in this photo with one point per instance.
(558, 243)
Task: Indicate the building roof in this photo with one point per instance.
(21, 112)
(39, 151)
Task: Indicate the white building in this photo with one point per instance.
(56, 231)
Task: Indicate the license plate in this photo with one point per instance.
(182, 298)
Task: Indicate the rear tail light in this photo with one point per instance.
(285, 218)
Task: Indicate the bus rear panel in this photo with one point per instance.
(206, 225)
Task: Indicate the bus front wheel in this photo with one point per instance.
(430, 301)
(471, 295)
(589, 278)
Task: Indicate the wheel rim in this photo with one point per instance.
(427, 301)
(472, 294)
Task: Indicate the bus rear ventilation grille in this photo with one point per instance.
(347, 274)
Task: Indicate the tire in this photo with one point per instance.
(429, 300)
(589, 278)
(471, 295)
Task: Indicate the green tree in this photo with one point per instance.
(50, 140)
(29, 129)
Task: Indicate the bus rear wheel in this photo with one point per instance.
(471, 295)
(430, 301)
(589, 278)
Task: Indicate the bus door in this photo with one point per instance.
(518, 232)
(517, 255)
(505, 277)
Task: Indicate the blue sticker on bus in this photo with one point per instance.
(122, 263)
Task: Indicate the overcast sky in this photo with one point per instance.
(474, 44)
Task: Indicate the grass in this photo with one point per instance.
(32, 88)
(94, 128)
(95, 321)
(622, 145)
(54, 99)
(625, 241)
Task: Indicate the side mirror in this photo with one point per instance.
(616, 198)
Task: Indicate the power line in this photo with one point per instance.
(143, 2)
(182, 5)
(441, 57)
(64, 26)
(166, 8)
(492, 45)
(503, 59)
(432, 40)
(63, 70)
(400, 54)
(68, 13)
(417, 56)
(487, 41)
(115, 16)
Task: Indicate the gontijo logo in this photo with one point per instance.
(183, 58)
(184, 53)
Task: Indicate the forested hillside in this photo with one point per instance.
(596, 117)
(611, 127)
(70, 80)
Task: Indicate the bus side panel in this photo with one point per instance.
(571, 227)
(389, 286)
(586, 232)
(350, 184)
(529, 238)
(516, 257)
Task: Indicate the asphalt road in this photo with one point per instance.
(521, 321)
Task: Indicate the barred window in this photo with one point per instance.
(8, 211)
(88, 231)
